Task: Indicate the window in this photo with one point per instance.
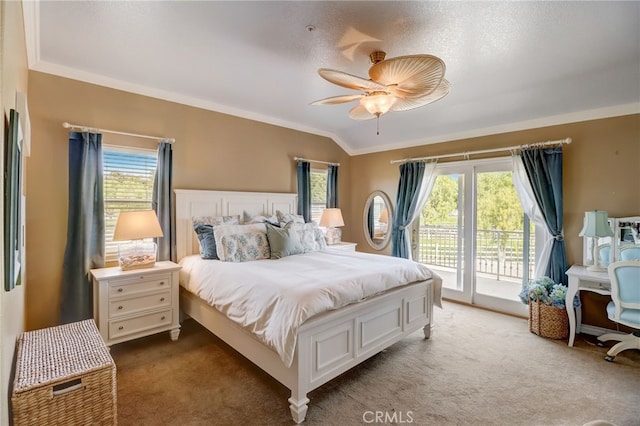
(318, 194)
(128, 185)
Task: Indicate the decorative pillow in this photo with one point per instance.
(204, 230)
(284, 218)
(283, 242)
(247, 218)
(310, 235)
(216, 220)
(241, 243)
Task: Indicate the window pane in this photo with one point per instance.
(318, 193)
(128, 185)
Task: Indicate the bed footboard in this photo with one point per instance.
(328, 344)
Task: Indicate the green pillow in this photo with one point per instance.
(283, 242)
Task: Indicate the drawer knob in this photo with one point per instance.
(120, 307)
(161, 282)
(121, 328)
(162, 299)
(120, 290)
(163, 317)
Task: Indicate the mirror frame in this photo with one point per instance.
(365, 218)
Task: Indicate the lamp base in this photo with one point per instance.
(333, 236)
(137, 255)
(596, 268)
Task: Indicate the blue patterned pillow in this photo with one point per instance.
(241, 243)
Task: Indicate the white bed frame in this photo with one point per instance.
(327, 344)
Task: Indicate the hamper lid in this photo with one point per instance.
(60, 352)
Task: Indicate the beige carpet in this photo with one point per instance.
(478, 368)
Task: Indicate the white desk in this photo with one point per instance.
(580, 278)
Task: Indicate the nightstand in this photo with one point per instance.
(342, 245)
(136, 303)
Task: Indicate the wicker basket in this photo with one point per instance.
(548, 321)
(64, 376)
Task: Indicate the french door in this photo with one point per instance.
(474, 234)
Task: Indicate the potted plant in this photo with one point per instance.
(547, 311)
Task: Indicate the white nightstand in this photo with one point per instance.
(342, 245)
(136, 303)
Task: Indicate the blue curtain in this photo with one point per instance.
(544, 170)
(411, 175)
(162, 201)
(370, 224)
(85, 226)
(332, 186)
(304, 190)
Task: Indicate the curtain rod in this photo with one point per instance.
(466, 154)
(315, 161)
(87, 128)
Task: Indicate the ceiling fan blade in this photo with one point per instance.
(350, 81)
(359, 112)
(409, 76)
(404, 104)
(337, 100)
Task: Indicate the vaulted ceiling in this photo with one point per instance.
(511, 65)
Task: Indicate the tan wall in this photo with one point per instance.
(13, 78)
(600, 171)
(212, 151)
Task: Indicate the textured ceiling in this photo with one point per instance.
(512, 65)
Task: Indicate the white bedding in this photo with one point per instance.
(272, 298)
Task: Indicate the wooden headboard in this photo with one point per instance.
(194, 203)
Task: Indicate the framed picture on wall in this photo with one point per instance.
(12, 201)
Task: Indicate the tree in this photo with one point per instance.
(442, 205)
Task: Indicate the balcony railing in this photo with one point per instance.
(498, 253)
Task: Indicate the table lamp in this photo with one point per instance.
(332, 219)
(384, 218)
(596, 226)
(134, 226)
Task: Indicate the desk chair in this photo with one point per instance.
(624, 307)
(630, 252)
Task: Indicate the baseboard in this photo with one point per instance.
(594, 330)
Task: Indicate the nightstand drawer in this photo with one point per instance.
(140, 303)
(139, 284)
(141, 323)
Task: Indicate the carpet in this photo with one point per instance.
(478, 368)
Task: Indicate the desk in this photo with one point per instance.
(580, 278)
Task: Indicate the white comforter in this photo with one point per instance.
(272, 298)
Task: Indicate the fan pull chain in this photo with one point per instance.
(378, 124)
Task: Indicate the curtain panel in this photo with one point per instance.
(332, 186)
(304, 190)
(85, 226)
(414, 188)
(544, 172)
(162, 202)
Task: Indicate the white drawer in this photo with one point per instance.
(140, 284)
(143, 302)
(119, 328)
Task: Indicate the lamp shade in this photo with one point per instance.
(136, 225)
(378, 103)
(596, 225)
(384, 216)
(331, 218)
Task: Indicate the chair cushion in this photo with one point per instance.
(628, 317)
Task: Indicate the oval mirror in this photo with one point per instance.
(377, 218)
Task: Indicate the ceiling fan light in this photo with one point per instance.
(378, 104)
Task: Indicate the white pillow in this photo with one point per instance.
(284, 218)
(310, 235)
(241, 243)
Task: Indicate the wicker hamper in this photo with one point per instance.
(548, 321)
(64, 376)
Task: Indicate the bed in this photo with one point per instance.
(323, 344)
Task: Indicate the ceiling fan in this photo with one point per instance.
(396, 84)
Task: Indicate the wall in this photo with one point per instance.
(212, 151)
(13, 78)
(600, 171)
